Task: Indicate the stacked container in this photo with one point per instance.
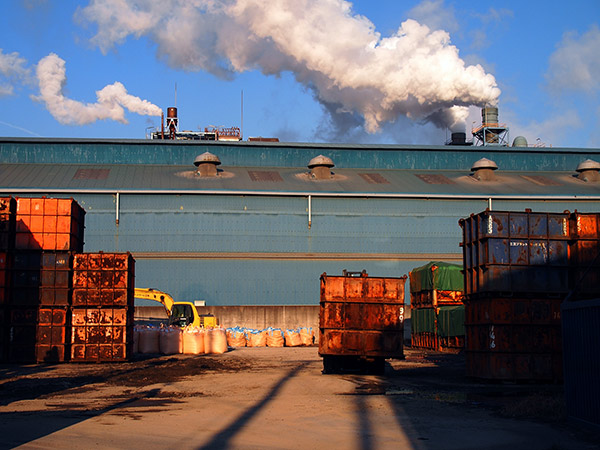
(585, 255)
(516, 271)
(52, 224)
(39, 240)
(8, 207)
(102, 312)
(42, 318)
(437, 309)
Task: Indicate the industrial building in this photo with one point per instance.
(257, 223)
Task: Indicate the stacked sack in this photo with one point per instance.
(193, 341)
(175, 340)
(270, 337)
(236, 337)
(275, 337)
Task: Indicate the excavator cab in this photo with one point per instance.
(182, 315)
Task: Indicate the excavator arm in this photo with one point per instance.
(156, 295)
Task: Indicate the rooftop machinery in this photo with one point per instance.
(490, 132)
(170, 130)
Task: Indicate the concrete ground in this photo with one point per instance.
(277, 398)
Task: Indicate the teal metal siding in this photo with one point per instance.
(95, 151)
(204, 240)
(252, 282)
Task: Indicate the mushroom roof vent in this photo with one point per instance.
(484, 163)
(588, 164)
(207, 157)
(320, 161)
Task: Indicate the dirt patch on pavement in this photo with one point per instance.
(31, 382)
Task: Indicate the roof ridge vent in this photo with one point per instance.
(320, 167)
(588, 171)
(483, 170)
(207, 165)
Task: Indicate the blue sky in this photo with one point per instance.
(310, 70)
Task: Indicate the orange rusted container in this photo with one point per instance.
(49, 224)
(8, 209)
(103, 271)
(584, 248)
(101, 334)
(514, 366)
(3, 334)
(103, 279)
(37, 334)
(4, 278)
(514, 339)
(52, 340)
(521, 253)
(361, 321)
(103, 297)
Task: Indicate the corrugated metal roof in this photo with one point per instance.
(286, 180)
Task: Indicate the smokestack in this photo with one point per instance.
(172, 121)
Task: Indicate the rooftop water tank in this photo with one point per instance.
(520, 141)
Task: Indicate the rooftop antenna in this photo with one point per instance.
(176, 95)
(242, 112)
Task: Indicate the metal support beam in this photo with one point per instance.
(117, 206)
(309, 211)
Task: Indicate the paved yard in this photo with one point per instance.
(261, 398)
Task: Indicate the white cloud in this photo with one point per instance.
(492, 18)
(112, 99)
(338, 55)
(553, 131)
(13, 71)
(435, 14)
(575, 65)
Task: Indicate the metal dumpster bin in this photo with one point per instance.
(361, 322)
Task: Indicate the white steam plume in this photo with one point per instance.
(112, 99)
(349, 66)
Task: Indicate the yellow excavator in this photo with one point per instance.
(180, 314)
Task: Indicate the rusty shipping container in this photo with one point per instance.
(56, 278)
(103, 279)
(4, 278)
(25, 278)
(514, 339)
(581, 335)
(101, 334)
(585, 255)
(40, 278)
(3, 334)
(8, 209)
(52, 341)
(49, 224)
(436, 302)
(361, 321)
(516, 253)
(103, 306)
(37, 334)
